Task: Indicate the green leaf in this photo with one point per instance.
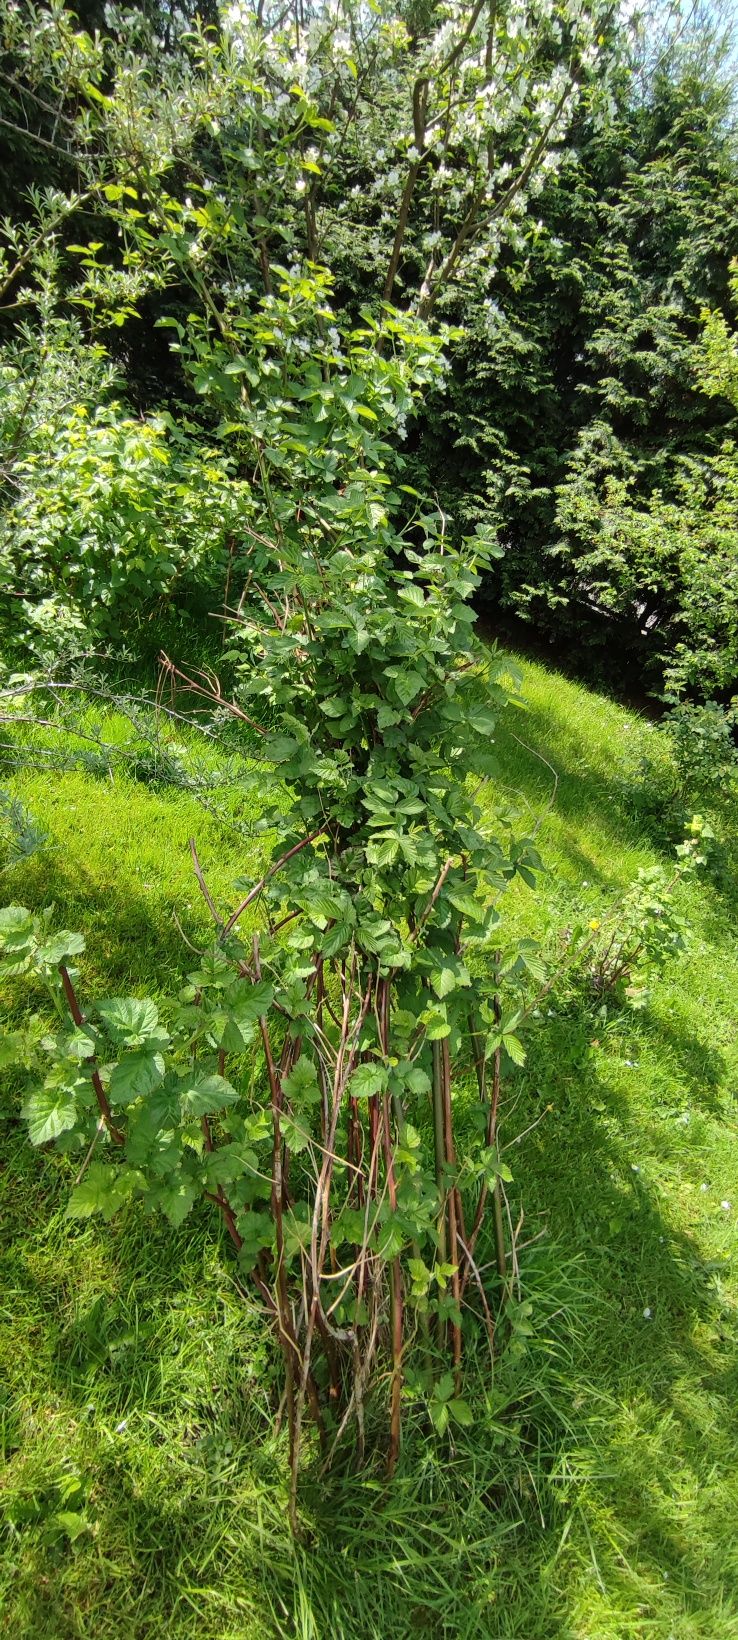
(408, 685)
(514, 1048)
(206, 1095)
(254, 1001)
(368, 1080)
(436, 1025)
(257, 1231)
(444, 1388)
(17, 940)
(135, 1076)
(280, 748)
(482, 720)
(411, 593)
(301, 1087)
(237, 1032)
(80, 1044)
(461, 1412)
(70, 1524)
(464, 901)
(297, 1229)
(12, 1048)
(444, 979)
(215, 970)
(130, 1020)
(61, 946)
(49, 1111)
(230, 1162)
(103, 1189)
(336, 938)
(439, 1416)
(390, 1238)
(381, 851)
(176, 1200)
(414, 1078)
(296, 1136)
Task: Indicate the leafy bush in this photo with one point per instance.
(106, 513)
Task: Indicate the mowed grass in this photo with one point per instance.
(596, 1498)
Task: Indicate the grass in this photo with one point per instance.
(596, 1498)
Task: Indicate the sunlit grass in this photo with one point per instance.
(597, 1496)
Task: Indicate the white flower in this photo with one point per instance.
(634, 1167)
(725, 1206)
(703, 1188)
(647, 1313)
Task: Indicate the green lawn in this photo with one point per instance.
(596, 1498)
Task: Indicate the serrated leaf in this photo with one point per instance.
(130, 1020)
(176, 1200)
(382, 851)
(12, 1048)
(103, 1189)
(464, 901)
(514, 1048)
(444, 980)
(295, 1134)
(257, 1231)
(368, 1080)
(136, 1075)
(439, 1416)
(301, 1087)
(436, 1025)
(80, 1044)
(417, 1079)
(237, 1034)
(61, 946)
(408, 685)
(206, 1095)
(230, 1162)
(49, 1111)
(482, 720)
(390, 1238)
(336, 938)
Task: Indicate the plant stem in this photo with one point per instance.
(100, 1094)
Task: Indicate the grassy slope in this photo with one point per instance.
(603, 1504)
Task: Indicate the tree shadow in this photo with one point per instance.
(657, 1350)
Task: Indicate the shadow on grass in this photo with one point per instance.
(132, 933)
(588, 1500)
(593, 1499)
(625, 807)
